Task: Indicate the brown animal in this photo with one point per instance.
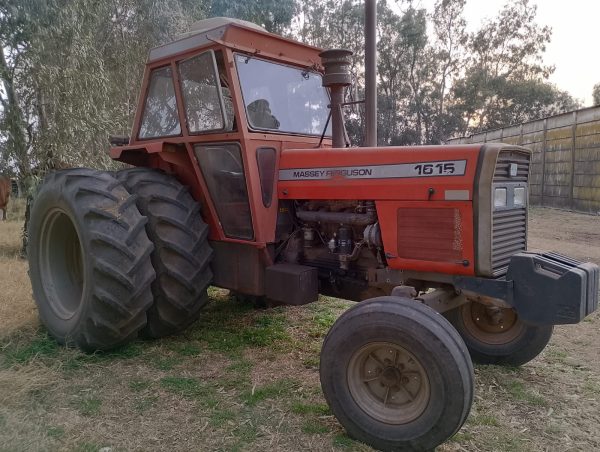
(5, 188)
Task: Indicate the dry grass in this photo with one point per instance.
(242, 379)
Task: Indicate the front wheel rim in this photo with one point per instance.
(388, 383)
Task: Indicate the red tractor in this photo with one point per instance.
(243, 179)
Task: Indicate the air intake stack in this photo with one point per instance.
(337, 77)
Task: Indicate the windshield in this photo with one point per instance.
(282, 98)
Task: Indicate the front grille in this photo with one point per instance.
(509, 237)
(509, 227)
(505, 158)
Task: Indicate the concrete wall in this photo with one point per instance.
(565, 170)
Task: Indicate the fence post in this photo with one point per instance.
(572, 181)
(544, 137)
(521, 136)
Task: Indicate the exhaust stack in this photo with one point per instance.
(371, 72)
(337, 77)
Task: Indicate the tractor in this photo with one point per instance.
(242, 177)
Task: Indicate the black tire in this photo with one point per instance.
(181, 255)
(89, 259)
(440, 366)
(515, 345)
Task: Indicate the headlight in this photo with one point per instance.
(519, 197)
(500, 197)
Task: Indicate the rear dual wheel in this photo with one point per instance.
(497, 336)
(181, 255)
(96, 277)
(396, 375)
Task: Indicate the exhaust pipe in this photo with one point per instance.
(371, 72)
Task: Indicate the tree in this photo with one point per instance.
(274, 15)
(505, 81)
(70, 73)
(596, 94)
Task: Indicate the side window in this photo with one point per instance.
(160, 117)
(200, 91)
(223, 171)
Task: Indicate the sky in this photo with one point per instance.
(575, 46)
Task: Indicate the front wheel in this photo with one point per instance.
(396, 375)
(497, 336)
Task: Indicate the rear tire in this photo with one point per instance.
(502, 340)
(89, 259)
(182, 254)
(396, 375)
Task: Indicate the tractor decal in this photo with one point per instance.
(404, 170)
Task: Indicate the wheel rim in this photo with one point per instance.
(491, 325)
(388, 383)
(61, 264)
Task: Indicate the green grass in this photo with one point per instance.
(184, 386)
(192, 389)
(462, 437)
(518, 392)
(74, 360)
(139, 385)
(222, 416)
(484, 419)
(319, 409)
(88, 447)
(55, 432)
(143, 404)
(224, 327)
(246, 433)
(270, 391)
(314, 428)
(41, 346)
(323, 317)
(592, 387)
(89, 406)
(343, 441)
(558, 356)
(187, 349)
(166, 362)
(238, 374)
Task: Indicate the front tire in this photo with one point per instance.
(396, 375)
(498, 336)
(89, 260)
(182, 254)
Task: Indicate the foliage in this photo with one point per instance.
(70, 70)
(596, 94)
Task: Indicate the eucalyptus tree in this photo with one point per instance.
(596, 94)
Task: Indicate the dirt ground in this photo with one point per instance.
(245, 379)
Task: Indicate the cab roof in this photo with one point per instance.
(240, 35)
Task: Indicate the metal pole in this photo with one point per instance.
(371, 72)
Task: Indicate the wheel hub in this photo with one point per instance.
(491, 325)
(388, 383)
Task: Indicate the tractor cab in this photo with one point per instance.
(217, 106)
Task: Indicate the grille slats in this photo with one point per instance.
(509, 227)
(505, 158)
